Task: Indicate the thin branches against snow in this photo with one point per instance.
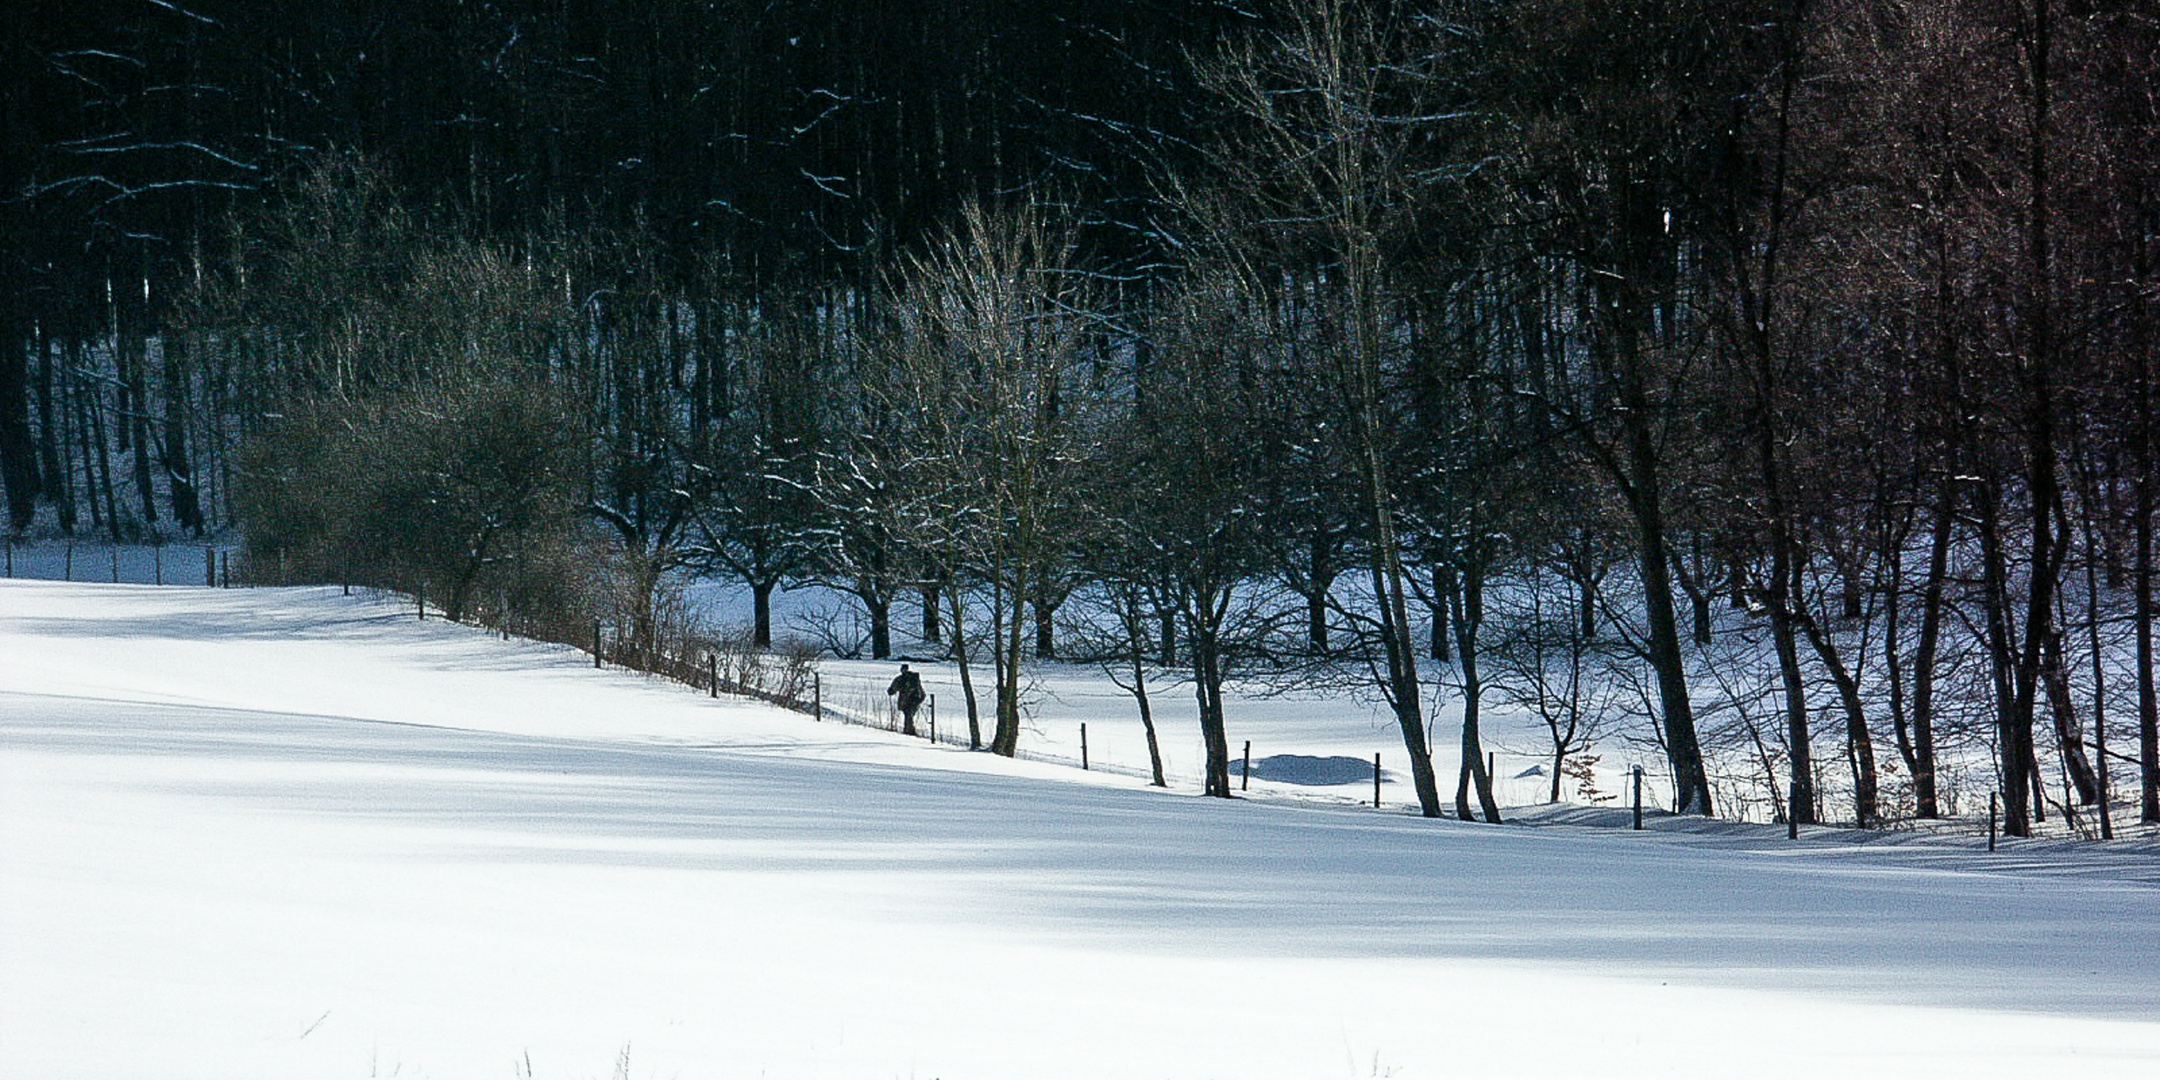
(104, 145)
(181, 11)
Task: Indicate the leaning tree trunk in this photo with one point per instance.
(1136, 656)
(957, 608)
(2069, 735)
(1859, 743)
(1682, 747)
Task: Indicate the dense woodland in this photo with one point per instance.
(1771, 380)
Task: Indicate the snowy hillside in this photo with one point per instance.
(286, 833)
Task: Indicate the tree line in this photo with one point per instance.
(1766, 382)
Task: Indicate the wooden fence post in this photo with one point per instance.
(817, 695)
(1638, 798)
(116, 564)
(712, 674)
(1245, 770)
(1083, 748)
(596, 643)
(1994, 807)
(420, 601)
(209, 568)
(1376, 781)
(67, 572)
(157, 556)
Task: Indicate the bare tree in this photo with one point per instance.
(1318, 189)
(992, 322)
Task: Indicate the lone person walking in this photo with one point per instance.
(907, 688)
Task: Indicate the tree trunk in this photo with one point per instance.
(106, 494)
(1136, 656)
(2014, 740)
(1859, 743)
(1923, 693)
(1045, 627)
(1469, 616)
(136, 420)
(54, 479)
(2069, 735)
(1683, 749)
(2146, 612)
(1166, 615)
(957, 609)
(880, 610)
(1008, 607)
(1893, 656)
(1443, 588)
(2148, 694)
(2041, 484)
(1800, 788)
(1316, 600)
(18, 453)
(173, 457)
(1207, 690)
(761, 592)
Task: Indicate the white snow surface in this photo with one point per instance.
(283, 833)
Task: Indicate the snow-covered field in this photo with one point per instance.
(290, 834)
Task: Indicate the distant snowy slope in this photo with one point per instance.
(287, 834)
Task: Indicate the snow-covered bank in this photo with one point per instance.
(283, 833)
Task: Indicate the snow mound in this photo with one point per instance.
(1307, 770)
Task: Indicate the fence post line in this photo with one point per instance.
(1083, 747)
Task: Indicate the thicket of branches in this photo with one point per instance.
(1771, 382)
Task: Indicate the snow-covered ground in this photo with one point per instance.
(287, 833)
